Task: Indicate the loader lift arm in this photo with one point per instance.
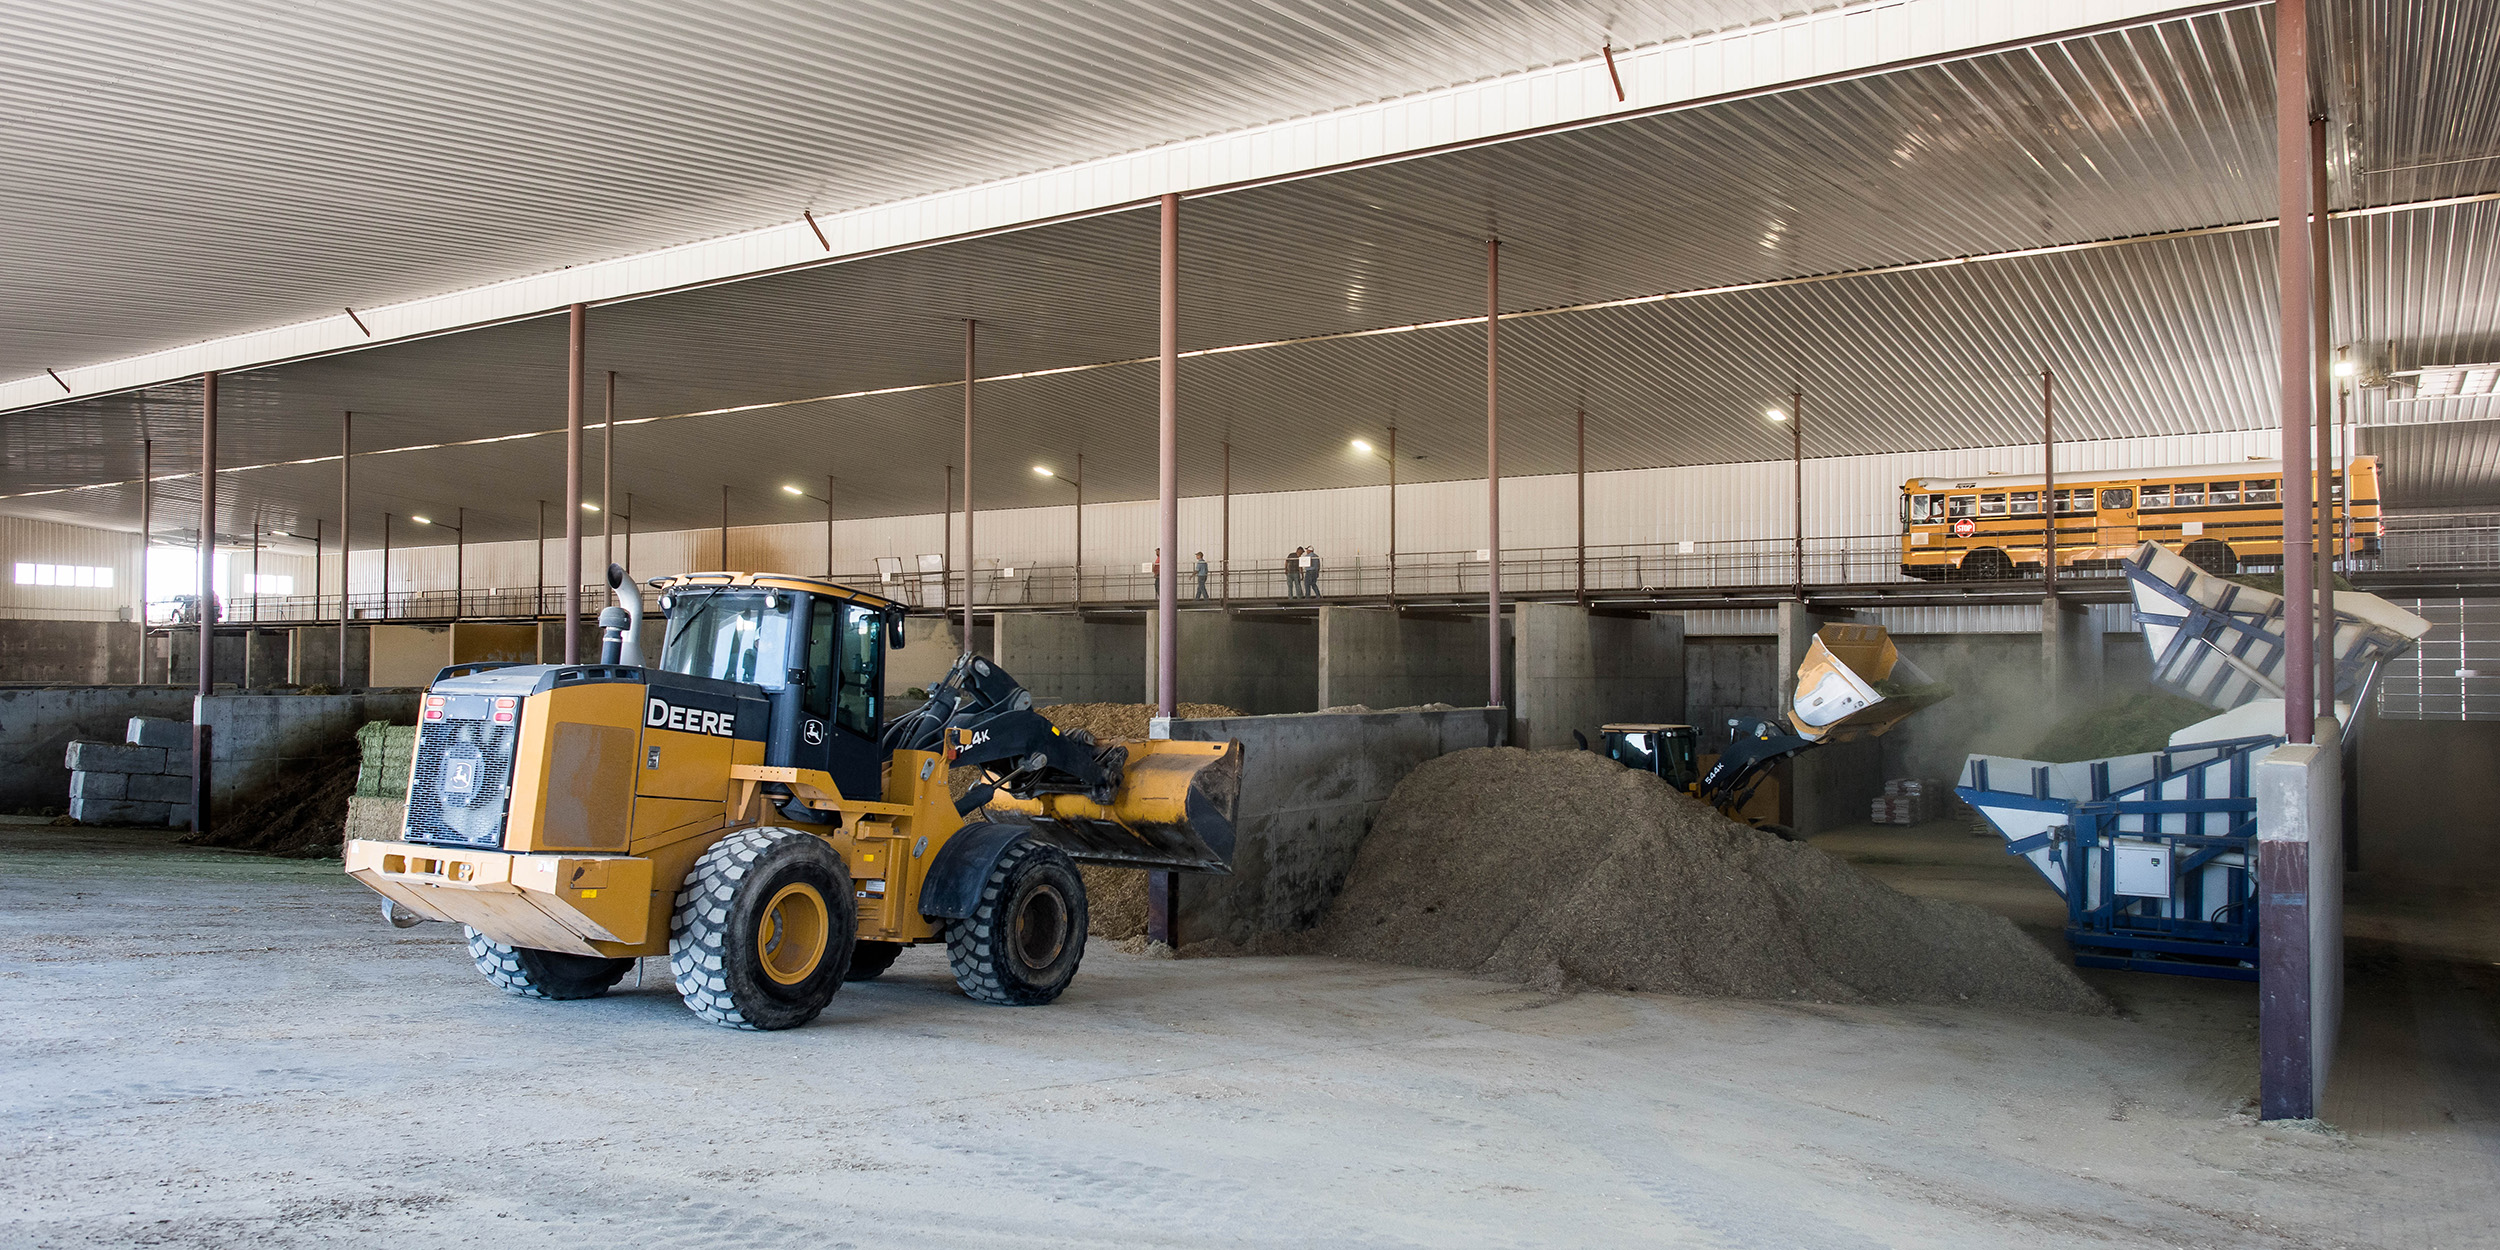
(991, 721)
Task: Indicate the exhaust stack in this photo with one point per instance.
(628, 597)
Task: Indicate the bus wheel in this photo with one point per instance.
(1987, 565)
(2213, 556)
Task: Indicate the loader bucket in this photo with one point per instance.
(1174, 810)
(1854, 684)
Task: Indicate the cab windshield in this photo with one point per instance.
(733, 634)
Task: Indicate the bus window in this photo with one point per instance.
(1922, 509)
(1959, 506)
(2074, 500)
(2118, 497)
(1992, 505)
(2260, 490)
(2187, 495)
(2221, 493)
(2026, 503)
(2155, 497)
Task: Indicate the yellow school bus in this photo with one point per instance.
(2223, 517)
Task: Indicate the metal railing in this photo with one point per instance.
(2441, 543)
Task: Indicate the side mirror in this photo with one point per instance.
(894, 632)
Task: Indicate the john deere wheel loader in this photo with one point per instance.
(745, 808)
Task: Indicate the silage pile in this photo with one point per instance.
(303, 816)
(1565, 869)
(1117, 722)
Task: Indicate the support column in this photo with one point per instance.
(207, 663)
(2285, 1024)
(538, 571)
(579, 349)
(147, 528)
(1580, 500)
(1797, 469)
(2323, 414)
(2048, 485)
(607, 483)
(1080, 528)
(1226, 552)
(724, 527)
(1393, 518)
(1168, 465)
(971, 564)
(2291, 118)
(1493, 472)
(1163, 888)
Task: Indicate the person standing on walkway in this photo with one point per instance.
(1293, 574)
(1202, 575)
(1310, 571)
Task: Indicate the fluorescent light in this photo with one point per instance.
(1361, 446)
(792, 489)
(1044, 472)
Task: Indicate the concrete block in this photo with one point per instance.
(114, 757)
(117, 812)
(154, 731)
(313, 659)
(98, 786)
(97, 652)
(177, 815)
(160, 788)
(37, 725)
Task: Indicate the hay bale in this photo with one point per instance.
(1564, 869)
(374, 819)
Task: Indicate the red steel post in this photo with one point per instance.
(578, 349)
(1493, 471)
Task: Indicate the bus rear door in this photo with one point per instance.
(2117, 517)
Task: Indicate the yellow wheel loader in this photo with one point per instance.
(745, 807)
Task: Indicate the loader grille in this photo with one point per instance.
(460, 785)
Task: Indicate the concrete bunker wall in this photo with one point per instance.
(37, 725)
(1259, 664)
(1311, 785)
(1073, 657)
(1579, 669)
(254, 739)
(1379, 657)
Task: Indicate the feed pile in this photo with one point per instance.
(1565, 869)
(304, 816)
(2130, 724)
(1116, 897)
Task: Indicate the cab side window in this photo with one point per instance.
(823, 618)
(860, 641)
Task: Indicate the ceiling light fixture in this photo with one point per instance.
(1043, 472)
(2453, 381)
(1774, 414)
(1361, 446)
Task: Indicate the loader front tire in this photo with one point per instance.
(1026, 935)
(526, 973)
(763, 931)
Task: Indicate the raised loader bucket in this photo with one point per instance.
(1854, 684)
(1174, 810)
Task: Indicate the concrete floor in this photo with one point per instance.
(212, 1049)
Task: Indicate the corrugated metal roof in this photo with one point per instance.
(2157, 128)
(172, 170)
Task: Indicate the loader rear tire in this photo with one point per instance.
(763, 931)
(869, 960)
(526, 973)
(1024, 939)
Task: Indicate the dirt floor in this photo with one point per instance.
(208, 1048)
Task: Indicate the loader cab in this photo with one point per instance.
(819, 658)
(1671, 751)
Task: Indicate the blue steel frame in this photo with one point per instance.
(2217, 937)
(2250, 635)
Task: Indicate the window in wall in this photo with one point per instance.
(64, 575)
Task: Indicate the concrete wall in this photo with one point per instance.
(37, 725)
(314, 658)
(80, 652)
(1311, 786)
(409, 655)
(1255, 664)
(930, 645)
(183, 645)
(267, 656)
(1383, 658)
(2426, 796)
(1069, 656)
(1728, 678)
(494, 642)
(1578, 670)
(255, 738)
